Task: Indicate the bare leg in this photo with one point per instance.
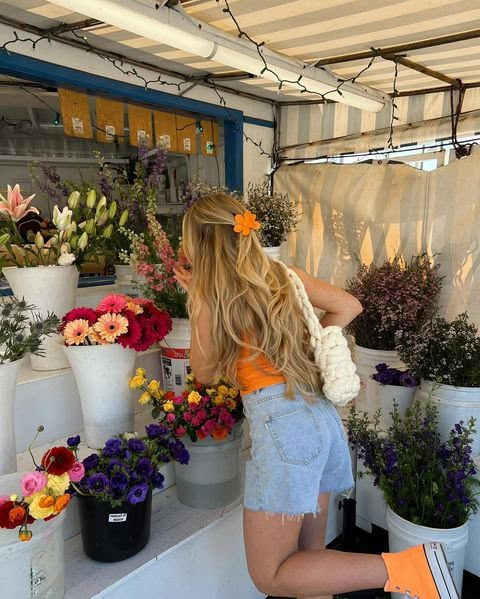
(277, 567)
(313, 530)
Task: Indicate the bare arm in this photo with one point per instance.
(340, 307)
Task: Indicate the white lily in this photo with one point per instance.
(66, 259)
(62, 219)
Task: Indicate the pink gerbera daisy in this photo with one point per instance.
(76, 331)
(112, 303)
(110, 326)
(87, 314)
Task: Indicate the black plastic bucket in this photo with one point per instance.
(114, 534)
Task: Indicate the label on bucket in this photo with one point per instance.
(117, 517)
(175, 367)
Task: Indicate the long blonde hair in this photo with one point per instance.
(252, 301)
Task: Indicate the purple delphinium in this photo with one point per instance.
(137, 493)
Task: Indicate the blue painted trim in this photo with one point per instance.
(250, 120)
(46, 72)
(233, 133)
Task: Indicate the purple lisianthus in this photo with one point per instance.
(112, 447)
(136, 445)
(97, 482)
(91, 461)
(180, 453)
(119, 481)
(137, 493)
(144, 467)
(407, 380)
(73, 441)
(156, 430)
(157, 479)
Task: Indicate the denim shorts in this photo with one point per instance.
(299, 450)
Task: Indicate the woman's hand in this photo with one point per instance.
(183, 277)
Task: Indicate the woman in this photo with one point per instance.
(246, 324)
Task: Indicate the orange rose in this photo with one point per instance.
(62, 502)
(16, 515)
(46, 501)
(220, 432)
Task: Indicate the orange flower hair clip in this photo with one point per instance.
(245, 222)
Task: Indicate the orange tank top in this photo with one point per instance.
(255, 374)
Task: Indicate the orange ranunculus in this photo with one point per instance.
(25, 535)
(200, 435)
(220, 432)
(62, 502)
(46, 501)
(16, 515)
(169, 396)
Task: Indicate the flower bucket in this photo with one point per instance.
(8, 453)
(212, 478)
(403, 534)
(175, 351)
(113, 534)
(454, 404)
(273, 252)
(102, 373)
(366, 360)
(386, 394)
(50, 289)
(126, 278)
(34, 568)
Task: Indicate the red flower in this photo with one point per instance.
(169, 396)
(58, 460)
(5, 521)
(161, 324)
(86, 313)
(148, 336)
(132, 336)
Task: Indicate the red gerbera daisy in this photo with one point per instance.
(87, 314)
(132, 336)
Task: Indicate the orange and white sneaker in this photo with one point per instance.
(420, 572)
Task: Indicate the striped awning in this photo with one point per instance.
(308, 30)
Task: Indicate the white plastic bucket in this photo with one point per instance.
(403, 534)
(126, 278)
(454, 404)
(386, 394)
(366, 360)
(102, 373)
(212, 477)
(272, 252)
(49, 289)
(8, 453)
(175, 352)
(34, 568)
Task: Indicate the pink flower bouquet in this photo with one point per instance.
(132, 322)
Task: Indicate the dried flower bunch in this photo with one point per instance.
(396, 296)
(423, 480)
(128, 466)
(22, 330)
(277, 214)
(443, 352)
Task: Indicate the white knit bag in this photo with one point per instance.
(341, 383)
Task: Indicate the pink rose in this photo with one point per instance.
(178, 400)
(33, 482)
(195, 422)
(170, 417)
(76, 472)
(187, 416)
(180, 431)
(210, 425)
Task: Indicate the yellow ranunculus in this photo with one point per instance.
(219, 400)
(35, 509)
(233, 392)
(58, 483)
(144, 398)
(168, 406)
(194, 397)
(223, 390)
(140, 372)
(136, 382)
(13, 497)
(153, 386)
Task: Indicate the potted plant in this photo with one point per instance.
(115, 494)
(395, 295)
(20, 334)
(208, 420)
(445, 355)
(101, 346)
(32, 507)
(394, 385)
(429, 486)
(277, 214)
(49, 263)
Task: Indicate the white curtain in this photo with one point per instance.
(372, 211)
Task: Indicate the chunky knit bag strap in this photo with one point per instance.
(341, 384)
